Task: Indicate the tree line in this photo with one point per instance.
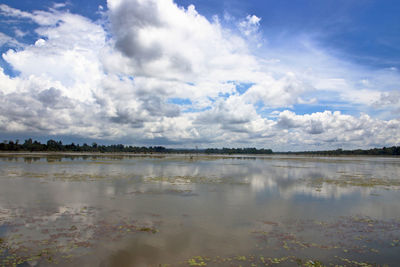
(385, 151)
(251, 150)
(57, 146)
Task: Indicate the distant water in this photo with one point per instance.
(199, 210)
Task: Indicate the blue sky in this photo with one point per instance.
(365, 31)
(189, 72)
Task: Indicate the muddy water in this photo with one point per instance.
(199, 210)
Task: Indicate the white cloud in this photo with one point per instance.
(59, 5)
(7, 40)
(9, 11)
(68, 59)
(79, 79)
(40, 17)
(250, 25)
(19, 33)
(333, 127)
(282, 92)
(161, 39)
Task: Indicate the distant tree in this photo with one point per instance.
(52, 145)
(94, 145)
(28, 144)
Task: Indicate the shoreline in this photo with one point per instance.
(188, 154)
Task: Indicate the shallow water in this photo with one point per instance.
(182, 210)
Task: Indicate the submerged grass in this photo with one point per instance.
(182, 180)
(177, 192)
(47, 240)
(357, 181)
(69, 176)
(340, 242)
(347, 237)
(253, 261)
(148, 230)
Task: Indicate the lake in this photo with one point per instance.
(198, 210)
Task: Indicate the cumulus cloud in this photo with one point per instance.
(162, 40)
(339, 129)
(115, 79)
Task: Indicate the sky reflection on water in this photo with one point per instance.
(136, 211)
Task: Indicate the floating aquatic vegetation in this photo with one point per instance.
(356, 181)
(312, 263)
(177, 192)
(349, 235)
(240, 258)
(148, 230)
(178, 180)
(291, 166)
(63, 235)
(197, 261)
(252, 260)
(184, 180)
(355, 263)
(70, 176)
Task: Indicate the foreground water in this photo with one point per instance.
(199, 210)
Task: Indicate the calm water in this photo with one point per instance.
(215, 211)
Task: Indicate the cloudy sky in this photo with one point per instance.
(286, 75)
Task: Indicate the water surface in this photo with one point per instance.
(181, 210)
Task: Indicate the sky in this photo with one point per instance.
(286, 75)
